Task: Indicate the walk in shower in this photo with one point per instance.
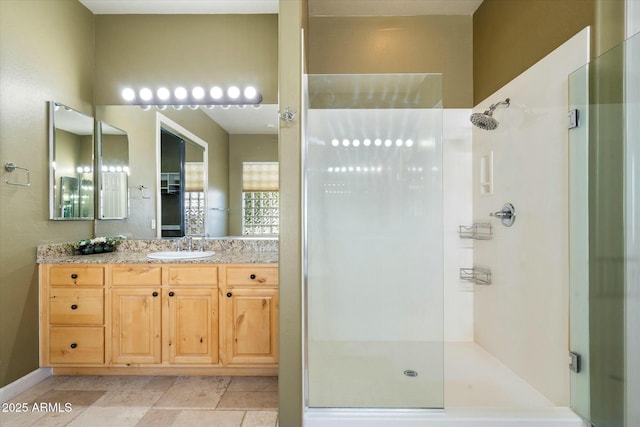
(381, 251)
(373, 241)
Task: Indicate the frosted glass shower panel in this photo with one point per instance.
(374, 257)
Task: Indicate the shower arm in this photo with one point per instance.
(506, 102)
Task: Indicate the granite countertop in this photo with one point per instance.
(231, 251)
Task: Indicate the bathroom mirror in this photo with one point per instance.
(71, 155)
(113, 176)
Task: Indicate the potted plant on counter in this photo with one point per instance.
(96, 245)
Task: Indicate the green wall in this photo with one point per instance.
(47, 54)
(399, 44)
(156, 50)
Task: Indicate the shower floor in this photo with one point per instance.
(370, 374)
(479, 390)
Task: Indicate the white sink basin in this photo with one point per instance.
(169, 255)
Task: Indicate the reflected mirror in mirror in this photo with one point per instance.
(113, 176)
(71, 190)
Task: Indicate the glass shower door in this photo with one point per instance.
(605, 237)
(373, 242)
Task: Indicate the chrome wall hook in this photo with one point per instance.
(507, 215)
(288, 115)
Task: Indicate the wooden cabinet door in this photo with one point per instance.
(193, 325)
(251, 318)
(136, 325)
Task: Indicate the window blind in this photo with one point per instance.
(260, 176)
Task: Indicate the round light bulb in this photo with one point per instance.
(180, 93)
(197, 92)
(409, 143)
(79, 169)
(346, 142)
(356, 142)
(378, 142)
(163, 93)
(112, 168)
(87, 169)
(335, 142)
(250, 92)
(118, 168)
(216, 92)
(127, 94)
(233, 92)
(146, 94)
(367, 142)
(387, 143)
(105, 168)
(399, 142)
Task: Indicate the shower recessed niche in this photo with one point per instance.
(486, 174)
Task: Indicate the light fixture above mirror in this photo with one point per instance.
(195, 97)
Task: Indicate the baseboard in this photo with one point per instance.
(13, 389)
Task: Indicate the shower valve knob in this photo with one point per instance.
(507, 215)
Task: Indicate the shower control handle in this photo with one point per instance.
(507, 215)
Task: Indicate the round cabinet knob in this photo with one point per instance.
(74, 276)
(73, 345)
(171, 294)
(253, 276)
(73, 306)
(229, 294)
(155, 294)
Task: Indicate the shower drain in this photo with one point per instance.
(410, 373)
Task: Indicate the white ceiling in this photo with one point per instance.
(316, 7)
(248, 120)
(177, 7)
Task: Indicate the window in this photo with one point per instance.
(260, 198)
(194, 200)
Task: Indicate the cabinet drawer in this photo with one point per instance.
(193, 275)
(136, 275)
(252, 276)
(76, 275)
(76, 345)
(72, 306)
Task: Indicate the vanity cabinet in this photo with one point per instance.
(72, 316)
(251, 315)
(167, 313)
(207, 318)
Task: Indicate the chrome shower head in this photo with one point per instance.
(485, 120)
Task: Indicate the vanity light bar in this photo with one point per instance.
(193, 98)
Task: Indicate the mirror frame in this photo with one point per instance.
(53, 206)
(99, 179)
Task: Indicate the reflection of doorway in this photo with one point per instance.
(182, 188)
(172, 149)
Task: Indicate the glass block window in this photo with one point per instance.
(194, 207)
(260, 199)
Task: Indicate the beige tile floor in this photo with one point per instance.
(145, 401)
